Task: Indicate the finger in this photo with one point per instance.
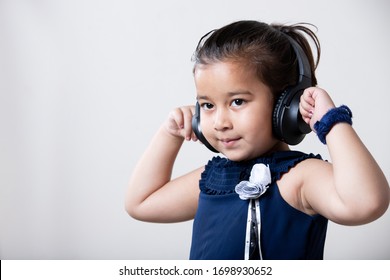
(193, 135)
(175, 122)
(187, 118)
(307, 96)
(304, 106)
(178, 119)
(306, 114)
(192, 108)
(306, 120)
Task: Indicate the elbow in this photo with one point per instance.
(378, 204)
(137, 211)
(366, 211)
(376, 208)
(131, 209)
(379, 209)
(382, 202)
(133, 206)
(133, 213)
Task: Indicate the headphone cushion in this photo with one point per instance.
(197, 129)
(278, 114)
(288, 124)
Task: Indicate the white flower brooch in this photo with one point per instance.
(258, 183)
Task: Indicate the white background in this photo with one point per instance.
(84, 84)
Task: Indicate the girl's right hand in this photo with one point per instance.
(179, 123)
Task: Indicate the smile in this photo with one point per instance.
(229, 142)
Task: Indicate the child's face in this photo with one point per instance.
(236, 110)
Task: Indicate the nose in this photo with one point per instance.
(222, 120)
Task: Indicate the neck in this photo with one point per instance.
(278, 147)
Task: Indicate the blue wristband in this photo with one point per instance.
(332, 117)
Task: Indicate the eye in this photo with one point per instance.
(238, 102)
(207, 106)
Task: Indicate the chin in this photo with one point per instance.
(240, 155)
(237, 156)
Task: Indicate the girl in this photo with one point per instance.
(261, 200)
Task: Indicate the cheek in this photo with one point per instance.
(259, 129)
(259, 125)
(258, 118)
(206, 124)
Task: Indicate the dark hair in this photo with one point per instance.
(262, 46)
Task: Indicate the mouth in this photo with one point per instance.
(229, 142)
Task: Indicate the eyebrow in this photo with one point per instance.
(229, 94)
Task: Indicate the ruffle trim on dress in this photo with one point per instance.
(282, 165)
(221, 175)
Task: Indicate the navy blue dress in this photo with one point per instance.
(219, 227)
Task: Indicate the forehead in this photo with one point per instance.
(225, 77)
(226, 67)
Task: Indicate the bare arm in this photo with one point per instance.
(152, 195)
(353, 189)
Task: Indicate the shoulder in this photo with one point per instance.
(294, 185)
(308, 166)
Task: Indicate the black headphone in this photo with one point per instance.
(287, 122)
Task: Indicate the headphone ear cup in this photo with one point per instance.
(288, 124)
(197, 129)
(196, 121)
(277, 116)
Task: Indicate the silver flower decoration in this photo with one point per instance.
(258, 183)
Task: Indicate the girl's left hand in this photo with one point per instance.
(315, 103)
